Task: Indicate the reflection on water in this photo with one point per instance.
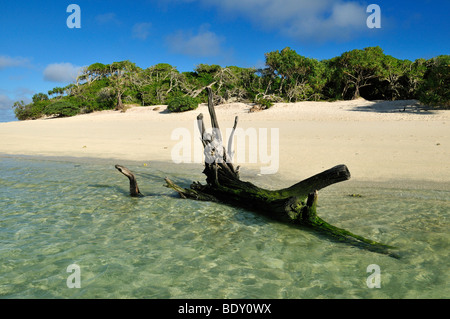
(57, 213)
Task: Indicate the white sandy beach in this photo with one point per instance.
(376, 140)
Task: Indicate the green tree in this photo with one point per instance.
(296, 77)
(414, 77)
(121, 76)
(278, 66)
(93, 72)
(39, 97)
(20, 110)
(242, 84)
(205, 74)
(435, 89)
(57, 90)
(393, 71)
(31, 111)
(358, 69)
(157, 84)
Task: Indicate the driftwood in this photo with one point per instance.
(134, 189)
(295, 205)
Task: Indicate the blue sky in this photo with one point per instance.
(39, 52)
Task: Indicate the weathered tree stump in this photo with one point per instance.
(295, 205)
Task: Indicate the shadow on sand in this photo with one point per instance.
(401, 106)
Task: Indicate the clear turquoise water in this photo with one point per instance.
(54, 213)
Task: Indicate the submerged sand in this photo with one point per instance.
(377, 140)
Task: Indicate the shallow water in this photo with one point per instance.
(57, 213)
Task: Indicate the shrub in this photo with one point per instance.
(264, 103)
(21, 110)
(30, 111)
(182, 104)
(62, 108)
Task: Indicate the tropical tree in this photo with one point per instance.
(57, 90)
(435, 89)
(33, 110)
(157, 83)
(121, 76)
(296, 76)
(39, 97)
(359, 68)
(21, 110)
(414, 77)
(243, 84)
(393, 71)
(97, 71)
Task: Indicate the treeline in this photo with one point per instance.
(287, 76)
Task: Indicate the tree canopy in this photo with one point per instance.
(287, 76)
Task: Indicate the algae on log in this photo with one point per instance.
(295, 205)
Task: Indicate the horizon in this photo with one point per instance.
(42, 49)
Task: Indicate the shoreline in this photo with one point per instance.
(194, 173)
(375, 139)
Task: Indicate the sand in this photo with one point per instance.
(375, 139)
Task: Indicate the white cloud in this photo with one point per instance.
(61, 72)
(204, 43)
(5, 102)
(107, 18)
(141, 30)
(300, 19)
(8, 97)
(9, 62)
(347, 15)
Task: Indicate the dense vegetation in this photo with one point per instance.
(288, 76)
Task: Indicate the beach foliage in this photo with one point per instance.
(357, 69)
(286, 77)
(435, 88)
(22, 111)
(61, 109)
(33, 110)
(264, 103)
(182, 104)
